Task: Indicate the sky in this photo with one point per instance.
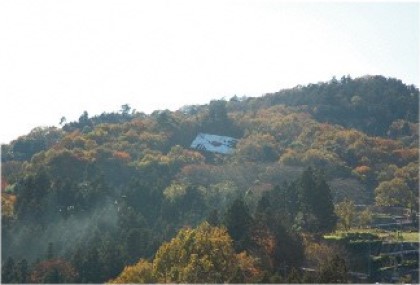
(60, 58)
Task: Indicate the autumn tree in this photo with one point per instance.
(333, 270)
(345, 212)
(328, 260)
(53, 271)
(365, 217)
(141, 272)
(393, 193)
(201, 255)
(273, 236)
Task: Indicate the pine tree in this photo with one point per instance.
(22, 271)
(238, 222)
(8, 271)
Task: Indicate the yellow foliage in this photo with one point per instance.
(7, 204)
(141, 272)
(201, 255)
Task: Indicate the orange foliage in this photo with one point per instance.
(138, 124)
(267, 242)
(387, 145)
(248, 266)
(362, 169)
(45, 269)
(406, 154)
(122, 155)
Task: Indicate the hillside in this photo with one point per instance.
(106, 191)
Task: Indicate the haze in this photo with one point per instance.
(59, 58)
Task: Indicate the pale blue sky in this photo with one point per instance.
(59, 58)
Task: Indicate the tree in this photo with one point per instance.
(294, 276)
(217, 120)
(91, 267)
(125, 109)
(32, 191)
(323, 206)
(272, 233)
(316, 203)
(50, 251)
(53, 271)
(141, 272)
(217, 111)
(22, 271)
(63, 120)
(201, 255)
(8, 271)
(333, 270)
(213, 218)
(365, 218)
(84, 119)
(345, 212)
(238, 222)
(136, 243)
(393, 193)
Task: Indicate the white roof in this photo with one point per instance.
(214, 143)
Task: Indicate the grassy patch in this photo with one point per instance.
(332, 236)
(389, 235)
(411, 237)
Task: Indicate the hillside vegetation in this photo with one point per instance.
(115, 196)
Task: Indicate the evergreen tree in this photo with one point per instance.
(8, 271)
(316, 203)
(238, 222)
(323, 206)
(22, 271)
(333, 270)
(50, 251)
(213, 218)
(53, 277)
(294, 276)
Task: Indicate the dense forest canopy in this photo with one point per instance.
(116, 196)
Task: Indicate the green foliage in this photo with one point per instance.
(316, 203)
(346, 212)
(356, 102)
(333, 270)
(238, 222)
(394, 193)
(8, 271)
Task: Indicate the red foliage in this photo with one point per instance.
(4, 183)
(53, 271)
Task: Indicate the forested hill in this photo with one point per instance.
(95, 195)
(370, 104)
